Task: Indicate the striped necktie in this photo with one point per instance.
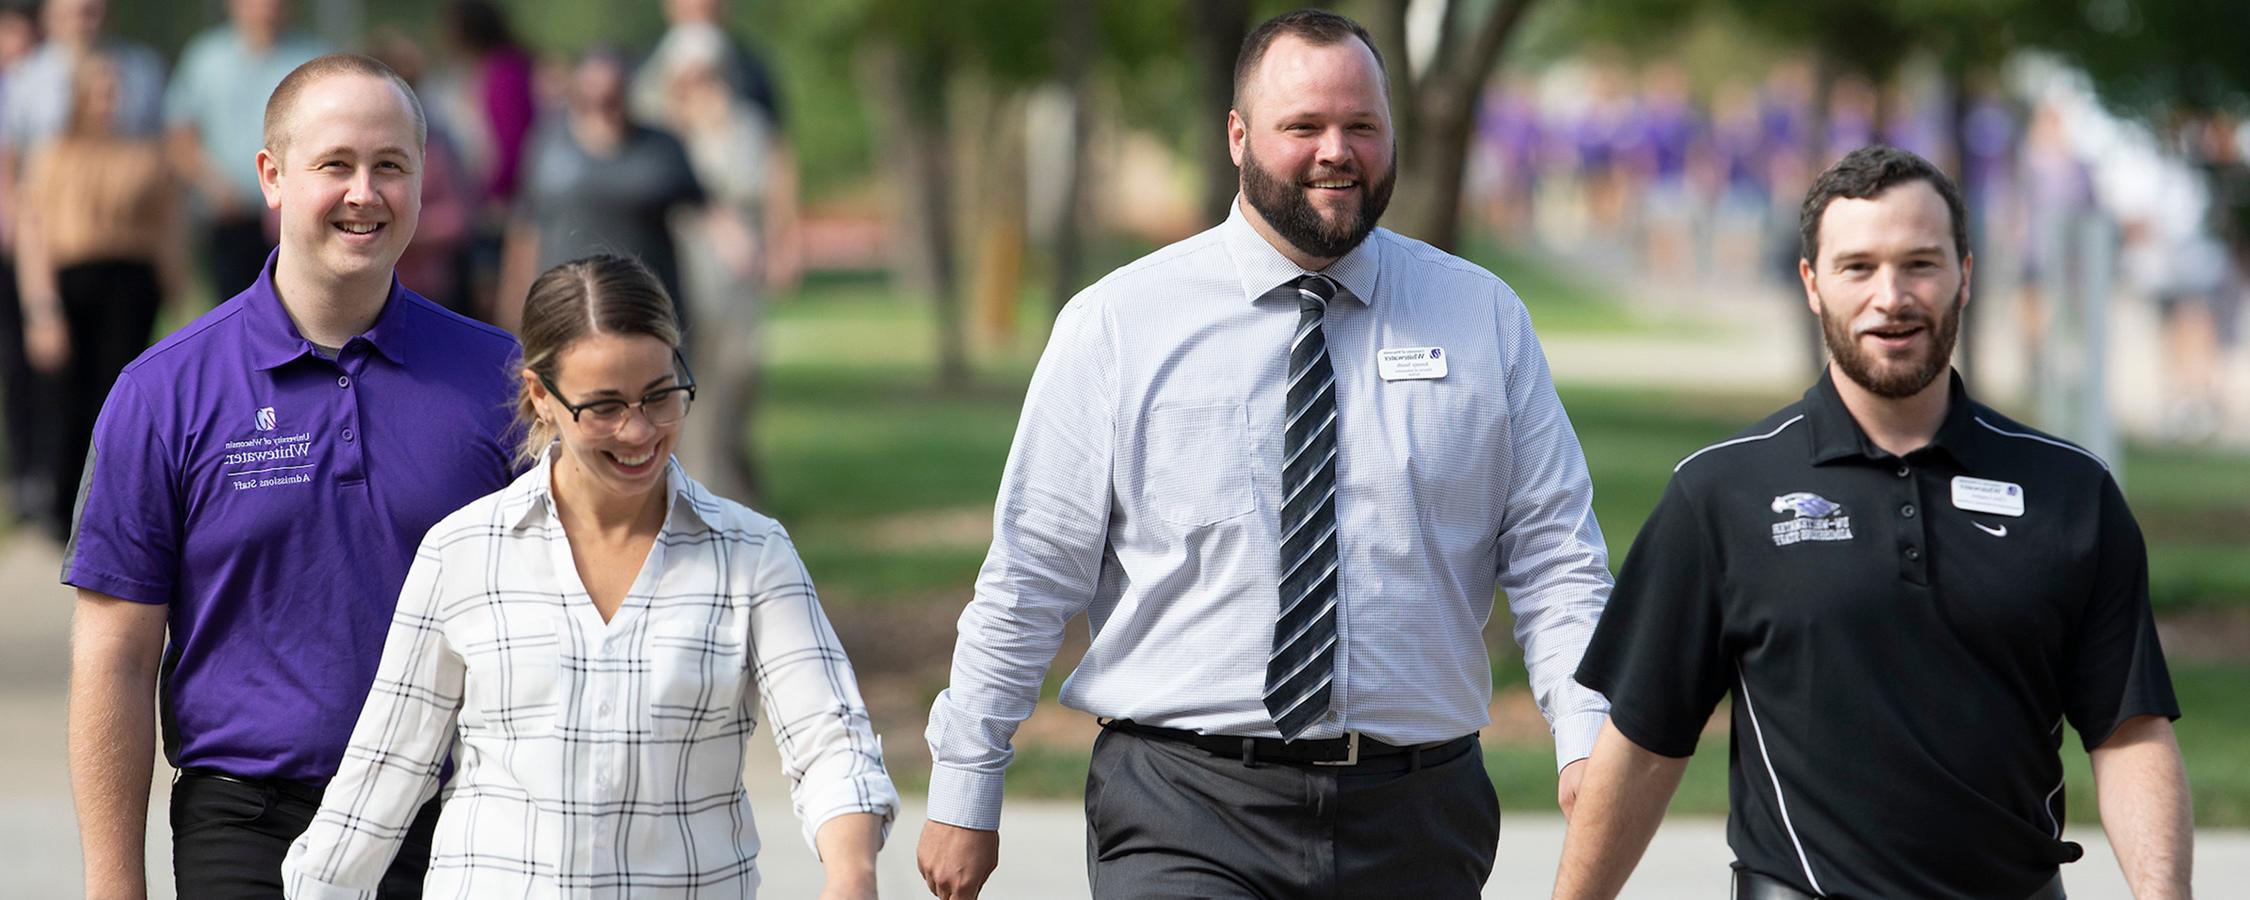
(1300, 671)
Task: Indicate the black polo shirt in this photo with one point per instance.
(1903, 638)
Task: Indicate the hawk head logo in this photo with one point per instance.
(265, 418)
(1806, 504)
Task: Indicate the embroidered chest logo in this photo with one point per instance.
(265, 419)
(1811, 517)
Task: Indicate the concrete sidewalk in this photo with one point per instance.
(1042, 842)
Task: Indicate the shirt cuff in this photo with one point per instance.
(965, 798)
(1574, 736)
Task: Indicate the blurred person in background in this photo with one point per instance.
(598, 182)
(27, 484)
(744, 70)
(490, 102)
(98, 250)
(212, 119)
(33, 111)
(2198, 244)
(434, 266)
(731, 257)
(1672, 141)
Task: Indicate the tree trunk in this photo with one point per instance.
(1078, 43)
(1434, 112)
(909, 85)
(1216, 29)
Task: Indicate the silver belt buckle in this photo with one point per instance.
(1351, 752)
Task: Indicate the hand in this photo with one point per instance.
(1566, 786)
(46, 343)
(955, 861)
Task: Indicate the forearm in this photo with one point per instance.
(1620, 803)
(112, 725)
(847, 845)
(2141, 785)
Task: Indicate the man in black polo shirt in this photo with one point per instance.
(1907, 595)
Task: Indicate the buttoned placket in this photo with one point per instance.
(351, 455)
(1905, 507)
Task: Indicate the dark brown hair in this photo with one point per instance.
(1317, 27)
(1866, 173)
(587, 296)
(284, 99)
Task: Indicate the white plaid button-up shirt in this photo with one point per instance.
(594, 759)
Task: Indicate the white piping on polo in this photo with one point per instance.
(1783, 803)
(1995, 429)
(2049, 806)
(1740, 440)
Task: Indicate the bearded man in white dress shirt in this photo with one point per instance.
(1281, 466)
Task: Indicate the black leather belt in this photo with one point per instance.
(1750, 885)
(1350, 750)
(302, 792)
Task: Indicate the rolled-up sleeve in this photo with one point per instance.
(829, 749)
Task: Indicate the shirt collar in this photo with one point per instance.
(1262, 268)
(689, 506)
(275, 342)
(1836, 435)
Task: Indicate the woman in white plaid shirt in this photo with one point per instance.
(600, 637)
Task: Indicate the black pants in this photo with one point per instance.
(110, 307)
(234, 254)
(27, 410)
(1168, 820)
(229, 837)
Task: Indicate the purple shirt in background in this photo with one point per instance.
(273, 499)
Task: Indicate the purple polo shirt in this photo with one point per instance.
(273, 499)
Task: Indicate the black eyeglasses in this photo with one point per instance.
(662, 407)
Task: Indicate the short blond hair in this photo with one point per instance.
(284, 99)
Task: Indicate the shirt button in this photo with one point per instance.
(1907, 510)
(343, 381)
(1913, 554)
(1904, 471)
(602, 710)
(347, 435)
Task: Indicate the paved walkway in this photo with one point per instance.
(1042, 843)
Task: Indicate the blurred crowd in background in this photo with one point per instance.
(123, 178)
(127, 183)
(1697, 191)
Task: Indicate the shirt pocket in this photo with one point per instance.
(1198, 463)
(513, 673)
(695, 675)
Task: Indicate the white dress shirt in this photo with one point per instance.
(595, 759)
(1145, 482)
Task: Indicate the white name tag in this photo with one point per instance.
(1410, 363)
(2000, 498)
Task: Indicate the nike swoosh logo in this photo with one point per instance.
(1994, 530)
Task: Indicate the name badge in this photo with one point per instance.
(1410, 363)
(2000, 498)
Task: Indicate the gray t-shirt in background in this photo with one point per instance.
(584, 204)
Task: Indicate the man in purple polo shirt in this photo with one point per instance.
(258, 485)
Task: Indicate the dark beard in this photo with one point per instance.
(1893, 383)
(1282, 202)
